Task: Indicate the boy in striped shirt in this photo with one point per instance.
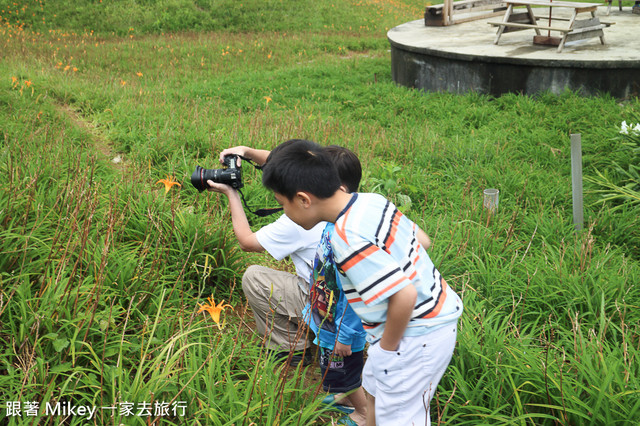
(406, 307)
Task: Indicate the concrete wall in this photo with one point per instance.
(431, 70)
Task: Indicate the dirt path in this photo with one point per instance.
(99, 142)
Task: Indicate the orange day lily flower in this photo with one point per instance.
(213, 309)
(168, 183)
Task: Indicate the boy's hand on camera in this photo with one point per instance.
(219, 187)
(236, 150)
(342, 349)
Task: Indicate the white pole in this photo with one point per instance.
(576, 180)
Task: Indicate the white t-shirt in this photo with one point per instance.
(284, 238)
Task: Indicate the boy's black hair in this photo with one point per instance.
(300, 165)
(348, 165)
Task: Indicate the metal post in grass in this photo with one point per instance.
(576, 180)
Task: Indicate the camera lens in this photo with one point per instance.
(197, 179)
(231, 176)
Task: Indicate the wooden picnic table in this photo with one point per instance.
(570, 28)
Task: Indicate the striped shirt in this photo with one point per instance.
(378, 253)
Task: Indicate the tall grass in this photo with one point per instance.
(102, 272)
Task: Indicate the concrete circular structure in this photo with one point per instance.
(462, 58)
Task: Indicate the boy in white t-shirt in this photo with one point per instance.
(275, 297)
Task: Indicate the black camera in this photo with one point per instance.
(230, 174)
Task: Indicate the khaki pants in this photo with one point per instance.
(277, 300)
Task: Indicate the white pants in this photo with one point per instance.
(404, 381)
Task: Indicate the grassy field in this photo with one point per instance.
(103, 272)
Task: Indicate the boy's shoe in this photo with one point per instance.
(346, 421)
(306, 357)
(636, 9)
(330, 401)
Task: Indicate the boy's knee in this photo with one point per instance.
(249, 279)
(250, 273)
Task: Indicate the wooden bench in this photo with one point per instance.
(575, 30)
(456, 12)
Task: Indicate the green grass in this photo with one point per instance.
(102, 273)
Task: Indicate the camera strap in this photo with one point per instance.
(259, 212)
(250, 161)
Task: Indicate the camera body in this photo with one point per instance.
(230, 174)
